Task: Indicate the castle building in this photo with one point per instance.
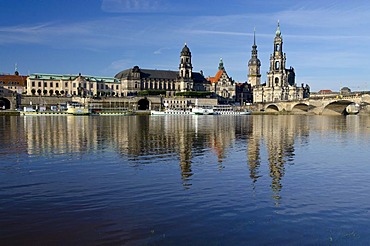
(222, 85)
(280, 85)
(134, 80)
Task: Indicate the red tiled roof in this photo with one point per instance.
(217, 77)
(13, 80)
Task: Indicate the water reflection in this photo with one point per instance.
(277, 134)
(268, 141)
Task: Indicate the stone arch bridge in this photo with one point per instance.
(336, 105)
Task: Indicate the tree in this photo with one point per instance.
(45, 92)
(33, 91)
(39, 91)
(57, 92)
(51, 92)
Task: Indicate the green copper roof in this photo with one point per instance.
(278, 32)
(44, 76)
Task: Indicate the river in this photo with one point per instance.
(185, 180)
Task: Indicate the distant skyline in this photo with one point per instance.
(327, 42)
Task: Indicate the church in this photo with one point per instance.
(280, 84)
(136, 79)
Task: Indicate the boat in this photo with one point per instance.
(203, 110)
(178, 111)
(111, 112)
(77, 109)
(229, 110)
(71, 108)
(42, 113)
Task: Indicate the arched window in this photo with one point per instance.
(277, 47)
(276, 81)
(277, 65)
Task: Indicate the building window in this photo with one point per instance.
(277, 65)
(45, 84)
(66, 84)
(39, 84)
(51, 84)
(57, 85)
(277, 47)
(33, 83)
(74, 85)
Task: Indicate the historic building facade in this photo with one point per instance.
(136, 79)
(128, 82)
(280, 85)
(12, 83)
(72, 85)
(222, 85)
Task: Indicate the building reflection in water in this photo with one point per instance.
(278, 134)
(142, 139)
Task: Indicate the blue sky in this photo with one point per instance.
(327, 41)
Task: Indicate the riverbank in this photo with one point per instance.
(9, 113)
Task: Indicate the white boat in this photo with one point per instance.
(203, 110)
(179, 111)
(229, 110)
(42, 113)
(111, 112)
(71, 109)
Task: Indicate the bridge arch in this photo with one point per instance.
(338, 107)
(143, 104)
(300, 108)
(272, 108)
(4, 103)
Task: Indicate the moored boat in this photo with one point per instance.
(229, 110)
(203, 110)
(179, 111)
(71, 108)
(77, 109)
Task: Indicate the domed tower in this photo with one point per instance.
(185, 68)
(254, 66)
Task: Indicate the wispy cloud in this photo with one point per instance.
(132, 6)
(159, 51)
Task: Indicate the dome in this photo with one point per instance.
(254, 61)
(185, 50)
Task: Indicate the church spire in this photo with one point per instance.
(254, 37)
(254, 65)
(254, 46)
(16, 69)
(278, 32)
(221, 65)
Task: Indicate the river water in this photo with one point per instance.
(185, 180)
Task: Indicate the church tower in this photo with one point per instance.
(185, 67)
(277, 74)
(185, 70)
(254, 66)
